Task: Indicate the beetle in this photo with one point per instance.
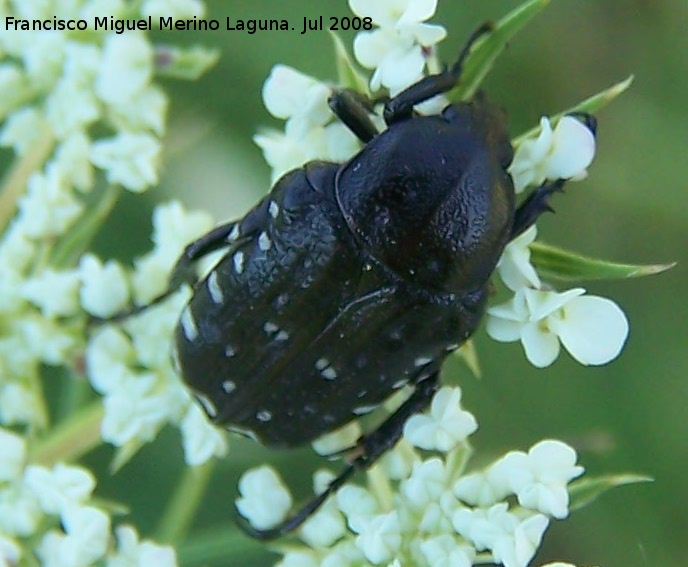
(349, 281)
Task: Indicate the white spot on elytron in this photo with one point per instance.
(363, 410)
(214, 289)
(264, 242)
(399, 383)
(189, 325)
(238, 259)
(422, 361)
(328, 373)
(282, 336)
(208, 405)
(228, 386)
(273, 209)
(264, 416)
(242, 431)
(322, 363)
(362, 393)
(230, 351)
(453, 346)
(269, 327)
(176, 365)
(234, 234)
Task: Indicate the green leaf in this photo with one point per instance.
(590, 105)
(484, 55)
(184, 63)
(468, 353)
(583, 492)
(553, 262)
(348, 75)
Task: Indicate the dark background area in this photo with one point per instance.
(629, 416)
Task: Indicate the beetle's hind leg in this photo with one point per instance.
(354, 110)
(401, 106)
(370, 448)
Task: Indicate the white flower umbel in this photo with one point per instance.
(435, 513)
(399, 49)
(562, 153)
(592, 329)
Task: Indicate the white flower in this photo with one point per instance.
(297, 98)
(514, 266)
(564, 153)
(87, 532)
(70, 108)
(145, 112)
(128, 159)
(20, 404)
(338, 440)
(592, 329)
(512, 540)
(134, 553)
(10, 552)
(539, 478)
(447, 551)
(54, 292)
(426, 484)
(108, 355)
(264, 500)
(13, 451)
(48, 208)
(327, 525)
(71, 160)
(126, 67)
(482, 488)
(23, 129)
(60, 488)
(200, 438)
(135, 411)
(357, 504)
(396, 50)
(20, 513)
(104, 287)
(445, 426)
(380, 538)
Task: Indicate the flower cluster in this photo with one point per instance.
(592, 329)
(54, 507)
(84, 117)
(425, 509)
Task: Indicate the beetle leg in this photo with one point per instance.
(534, 205)
(370, 448)
(354, 110)
(401, 106)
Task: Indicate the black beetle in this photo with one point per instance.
(349, 281)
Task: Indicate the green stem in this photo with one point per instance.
(79, 237)
(181, 509)
(71, 439)
(16, 179)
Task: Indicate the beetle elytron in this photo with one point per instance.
(349, 281)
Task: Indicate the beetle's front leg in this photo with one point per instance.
(533, 206)
(369, 448)
(354, 110)
(401, 106)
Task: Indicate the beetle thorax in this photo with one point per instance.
(430, 199)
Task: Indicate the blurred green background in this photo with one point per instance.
(628, 416)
